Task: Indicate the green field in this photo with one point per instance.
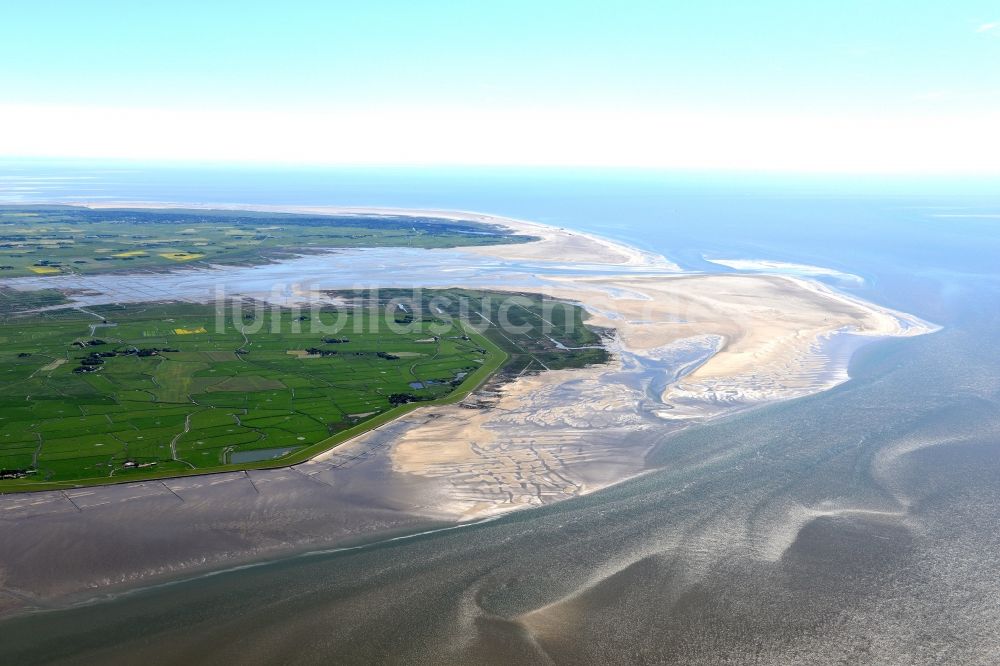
(55, 240)
(151, 390)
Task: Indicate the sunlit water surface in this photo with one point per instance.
(855, 526)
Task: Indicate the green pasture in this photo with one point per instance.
(178, 388)
(55, 240)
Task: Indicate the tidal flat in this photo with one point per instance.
(686, 349)
(895, 466)
(852, 558)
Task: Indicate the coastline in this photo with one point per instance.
(553, 435)
(567, 242)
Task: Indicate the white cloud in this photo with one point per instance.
(989, 27)
(918, 142)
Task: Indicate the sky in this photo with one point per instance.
(849, 86)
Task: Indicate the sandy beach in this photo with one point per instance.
(686, 348)
(757, 339)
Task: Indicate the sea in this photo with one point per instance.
(859, 525)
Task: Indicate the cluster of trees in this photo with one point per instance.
(396, 399)
(96, 342)
(94, 360)
(15, 473)
(316, 351)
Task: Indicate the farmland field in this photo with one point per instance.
(55, 240)
(121, 392)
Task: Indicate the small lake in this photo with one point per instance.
(260, 454)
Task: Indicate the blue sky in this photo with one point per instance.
(678, 84)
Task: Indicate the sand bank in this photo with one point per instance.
(686, 347)
(757, 338)
(787, 268)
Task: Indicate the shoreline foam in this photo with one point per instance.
(556, 435)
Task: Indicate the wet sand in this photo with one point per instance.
(702, 561)
(688, 348)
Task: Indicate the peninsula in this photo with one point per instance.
(569, 403)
